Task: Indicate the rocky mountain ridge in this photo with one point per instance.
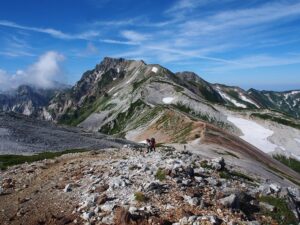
(286, 101)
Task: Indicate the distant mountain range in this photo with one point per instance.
(29, 100)
(135, 100)
(111, 72)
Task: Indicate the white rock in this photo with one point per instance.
(107, 207)
(275, 187)
(87, 215)
(132, 209)
(198, 179)
(192, 219)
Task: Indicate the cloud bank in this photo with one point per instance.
(42, 74)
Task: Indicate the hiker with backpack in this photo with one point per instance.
(152, 142)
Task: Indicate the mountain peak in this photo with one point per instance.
(190, 76)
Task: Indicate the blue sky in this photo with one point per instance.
(254, 43)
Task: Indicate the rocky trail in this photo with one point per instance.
(128, 186)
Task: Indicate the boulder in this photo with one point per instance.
(193, 201)
(156, 187)
(218, 163)
(275, 188)
(230, 202)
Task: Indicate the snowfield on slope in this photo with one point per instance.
(154, 69)
(254, 133)
(245, 99)
(168, 100)
(233, 101)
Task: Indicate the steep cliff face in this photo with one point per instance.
(28, 100)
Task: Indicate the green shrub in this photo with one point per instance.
(226, 174)
(204, 164)
(283, 215)
(294, 164)
(139, 197)
(11, 160)
(160, 174)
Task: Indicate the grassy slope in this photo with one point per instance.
(292, 163)
(281, 120)
(11, 160)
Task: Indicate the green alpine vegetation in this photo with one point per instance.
(11, 160)
(293, 163)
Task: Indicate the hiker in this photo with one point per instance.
(152, 144)
(148, 145)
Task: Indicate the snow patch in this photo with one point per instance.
(291, 93)
(245, 99)
(168, 100)
(154, 69)
(254, 133)
(236, 103)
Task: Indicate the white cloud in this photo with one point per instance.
(134, 37)
(42, 73)
(90, 50)
(185, 4)
(52, 32)
(240, 19)
(118, 42)
(258, 61)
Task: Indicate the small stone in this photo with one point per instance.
(192, 201)
(192, 219)
(101, 188)
(102, 199)
(184, 221)
(87, 215)
(198, 179)
(68, 188)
